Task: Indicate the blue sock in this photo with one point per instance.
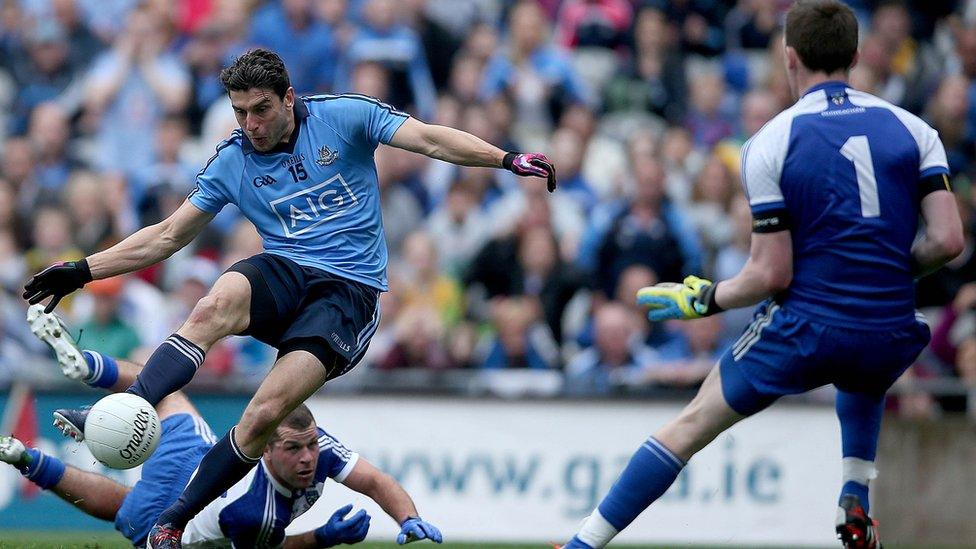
(169, 368)
(860, 424)
(220, 469)
(104, 370)
(651, 471)
(43, 470)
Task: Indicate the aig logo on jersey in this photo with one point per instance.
(303, 211)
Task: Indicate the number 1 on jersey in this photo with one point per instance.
(857, 150)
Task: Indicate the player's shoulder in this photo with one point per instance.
(865, 100)
(338, 103)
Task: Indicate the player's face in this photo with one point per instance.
(293, 457)
(265, 118)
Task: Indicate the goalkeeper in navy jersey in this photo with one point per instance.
(837, 184)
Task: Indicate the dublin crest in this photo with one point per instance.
(326, 156)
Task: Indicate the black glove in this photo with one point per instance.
(58, 280)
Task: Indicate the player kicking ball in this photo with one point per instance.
(301, 170)
(836, 184)
(287, 481)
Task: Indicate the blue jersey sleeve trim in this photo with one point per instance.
(359, 97)
(934, 170)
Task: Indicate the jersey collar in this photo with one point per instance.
(825, 85)
(301, 113)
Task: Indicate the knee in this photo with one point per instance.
(219, 314)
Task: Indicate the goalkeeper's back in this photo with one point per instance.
(846, 172)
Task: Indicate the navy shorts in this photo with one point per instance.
(185, 440)
(294, 307)
(781, 353)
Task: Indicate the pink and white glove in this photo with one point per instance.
(526, 164)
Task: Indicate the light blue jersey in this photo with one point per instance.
(315, 199)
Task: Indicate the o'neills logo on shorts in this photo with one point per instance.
(140, 424)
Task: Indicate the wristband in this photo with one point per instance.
(82, 266)
(508, 159)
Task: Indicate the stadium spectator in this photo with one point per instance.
(522, 339)
(645, 229)
(105, 331)
(92, 225)
(460, 227)
(708, 209)
(424, 283)
(593, 23)
(751, 25)
(384, 39)
(44, 72)
(706, 120)
(615, 361)
(131, 88)
(48, 132)
(418, 341)
(306, 44)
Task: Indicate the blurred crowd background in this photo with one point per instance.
(110, 107)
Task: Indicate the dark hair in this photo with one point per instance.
(823, 33)
(257, 68)
(300, 418)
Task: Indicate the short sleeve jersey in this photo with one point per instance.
(843, 169)
(315, 198)
(256, 510)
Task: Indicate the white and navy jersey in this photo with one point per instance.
(315, 199)
(256, 510)
(845, 172)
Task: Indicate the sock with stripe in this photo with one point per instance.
(650, 472)
(169, 368)
(41, 469)
(221, 468)
(104, 370)
(860, 424)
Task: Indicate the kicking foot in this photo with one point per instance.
(49, 329)
(12, 451)
(855, 529)
(164, 537)
(71, 422)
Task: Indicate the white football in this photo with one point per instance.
(122, 430)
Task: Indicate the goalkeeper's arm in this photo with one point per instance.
(768, 271)
(943, 237)
(151, 244)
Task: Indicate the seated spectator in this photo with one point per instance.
(567, 153)
(384, 39)
(305, 44)
(954, 344)
(616, 359)
(43, 72)
(706, 120)
(93, 226)
(52, 240)
(688, 357)
(418, 341)
(460, 226)
(654, 79)
(645, 229)
(593, 24)
(539, 78)
(105, 331)
(424, 283)
(48, 133)
(522, 342)
(708, 209)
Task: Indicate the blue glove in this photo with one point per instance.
(343, 530)
(414, 528)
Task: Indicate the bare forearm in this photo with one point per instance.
(929, 257)
(145, 247)
(744, 289)
(392, 498)
(458, 147)
(301, 541)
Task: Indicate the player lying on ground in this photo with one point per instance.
(302, 170)
(836, 184)
(287, 481)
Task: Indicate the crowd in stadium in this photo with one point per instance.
(111, 108)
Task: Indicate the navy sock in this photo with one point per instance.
(220, 469)
(41, 469)
(860, 425)
(651, 471)
(169, 368)
(104, 370)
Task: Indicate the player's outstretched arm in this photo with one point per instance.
(143, 248)
(943, 237)
(394, 500)
(458, 147)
